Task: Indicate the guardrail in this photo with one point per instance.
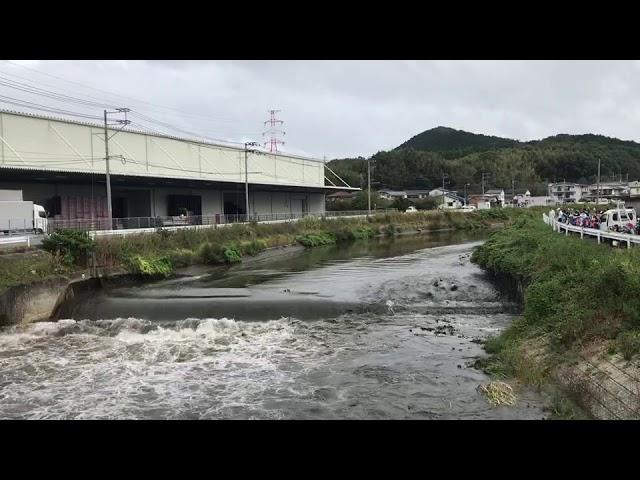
(592, 232)
(169, 222)
(15, 240)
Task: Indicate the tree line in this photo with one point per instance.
(531, 165)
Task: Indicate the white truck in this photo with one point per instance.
(619, 219)
(17, 215)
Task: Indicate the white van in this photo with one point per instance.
(617, 219)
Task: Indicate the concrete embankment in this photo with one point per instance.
(31, 303)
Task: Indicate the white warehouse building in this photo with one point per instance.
(60, 164)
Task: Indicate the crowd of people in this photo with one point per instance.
(592, 218)
(583, 217)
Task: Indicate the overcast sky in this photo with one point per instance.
(351, 108)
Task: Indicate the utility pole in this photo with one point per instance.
(598, 185)
(484, 175)
(513, 191)
(108, 177)
(124, 123)
(444, 178)
(246, 176)
(369, 185)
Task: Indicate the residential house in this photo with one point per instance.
(451, 201)
(340, 196)
(417, 194)
(566, 192)
(392, 194)
(527, 200)
(479, 201)
(496, 196)
(438, 192)
(606, 190)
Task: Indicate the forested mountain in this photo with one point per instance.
(463, 156)
(451, 143)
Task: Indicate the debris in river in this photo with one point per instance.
(498, 393)
(390, 307)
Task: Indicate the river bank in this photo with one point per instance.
(579, 335)
(36, 277)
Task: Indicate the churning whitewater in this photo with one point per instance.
(381, 330)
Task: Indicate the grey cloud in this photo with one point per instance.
(350, 108)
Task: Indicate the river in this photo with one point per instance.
(384, 329)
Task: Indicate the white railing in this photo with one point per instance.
(16, 240)
(219, 221)
(592, 232)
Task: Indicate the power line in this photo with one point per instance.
(166, 125)
(45, 108)
(64, 98)
(136, 100)
(30, 89)
(49, 94)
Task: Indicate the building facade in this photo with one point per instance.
(566, 192)
(61, 165)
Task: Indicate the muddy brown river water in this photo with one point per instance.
(384, 329)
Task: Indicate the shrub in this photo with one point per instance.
(628, 343)
(316, 239)
(231, 254)
(252, 247)
(363, 233)
(181, 257)
(210, 254)
(151, 266)
(74, 246)
(389, 229)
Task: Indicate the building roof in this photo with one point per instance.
(454, 196)
(417, 192)
(495, 192)
(393, 192)
(341, 195)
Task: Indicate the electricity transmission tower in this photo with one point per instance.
(273, 132)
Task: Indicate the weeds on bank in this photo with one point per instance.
(577, 292)
(160, 254)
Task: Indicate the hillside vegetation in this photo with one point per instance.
(421, 161)
(578, 297)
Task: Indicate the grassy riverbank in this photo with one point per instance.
(160, 254)
(581, 305)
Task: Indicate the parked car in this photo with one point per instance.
(411, 209)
